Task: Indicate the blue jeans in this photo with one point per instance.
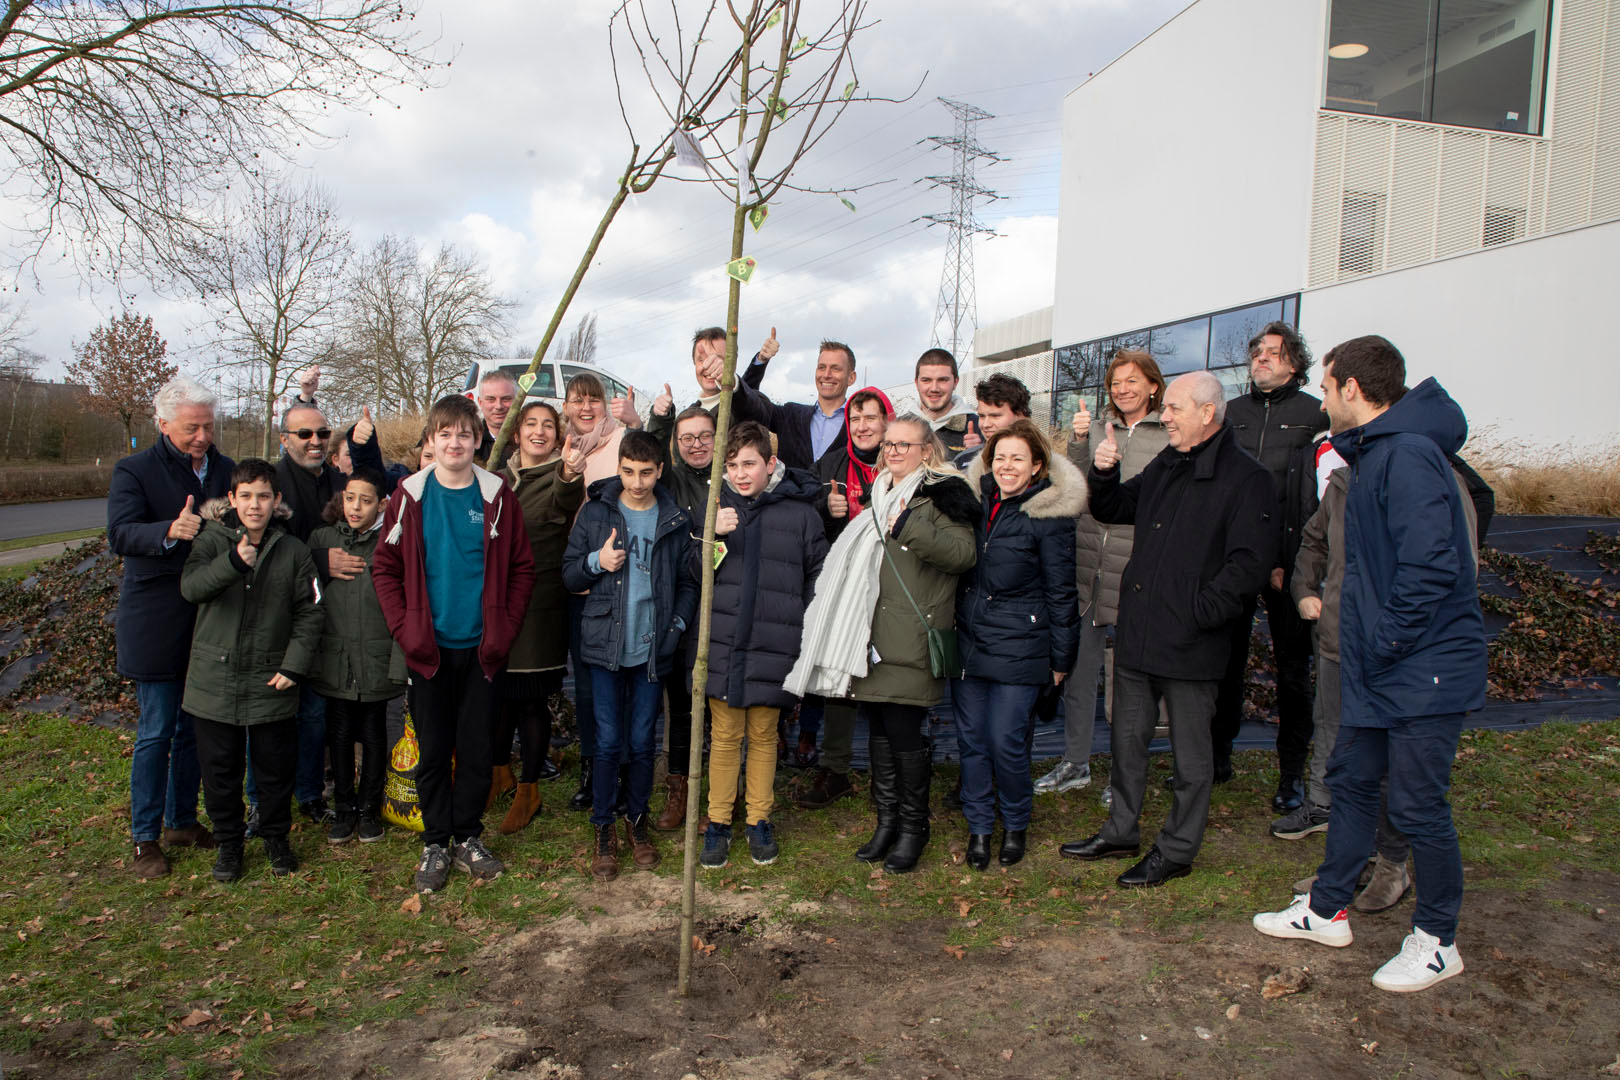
(164, 777)
(992, 730)
(627, 702)
(1416, 754)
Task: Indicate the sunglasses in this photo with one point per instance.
(306, 433)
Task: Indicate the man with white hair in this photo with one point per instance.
(153, 513)
(1205, 540)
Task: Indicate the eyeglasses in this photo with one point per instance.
(899, 447)
(705, 439)
(306, 434)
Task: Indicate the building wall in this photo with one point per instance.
(1183, 159)
(1523, 336)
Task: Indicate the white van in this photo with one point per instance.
(551, 380)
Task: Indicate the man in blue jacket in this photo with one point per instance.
(1411, 650)
(154, 509)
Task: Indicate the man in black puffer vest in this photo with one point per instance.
(1277, 422)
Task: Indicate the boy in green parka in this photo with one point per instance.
(258, 625)
(360, 669)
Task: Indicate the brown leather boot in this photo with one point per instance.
(641, 845)
(525, 805)
(605, 866)
(197, 836)
(674, 815)
(501, 781)
(150, 862)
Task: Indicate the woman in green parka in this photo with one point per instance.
(361, 669)
(547, 480)
(889, 579)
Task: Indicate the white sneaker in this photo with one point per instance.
(1297, 920)
(1421, 963)
(1066, 776)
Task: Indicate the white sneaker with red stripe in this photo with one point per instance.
(1421, 963)
(1297, 920)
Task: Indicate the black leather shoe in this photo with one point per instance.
(581, 799)
(1223, 771)
(1012, 847)
(1290, 795)
(1153, 870)
(1095, 847)
(978, 850)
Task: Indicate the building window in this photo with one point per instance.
(1361, 233)
(1471, 63)
(1218, 342)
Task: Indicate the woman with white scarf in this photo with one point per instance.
(864, 637)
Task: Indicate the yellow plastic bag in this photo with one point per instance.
(400, 804)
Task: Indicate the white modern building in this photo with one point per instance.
(1442, 172)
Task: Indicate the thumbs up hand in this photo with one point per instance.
(769, 349)
(1082, 421)
(188, 524)
(624, 409)
(610, 558)
(972, 438)
(366, 428)
(245, 550)
(573, 462)
(1107, 454)
(664, 403)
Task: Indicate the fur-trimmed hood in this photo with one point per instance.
(220, 510)
(1063, 497)
(950, 491)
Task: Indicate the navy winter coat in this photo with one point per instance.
(1017, 610)
(761, 589)
(1206, 539)
(674, 589)
(153, 623)
(1411, 635)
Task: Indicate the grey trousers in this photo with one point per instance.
(1391, 842)
(838, 734)
(1080, 689)
(1191, 704)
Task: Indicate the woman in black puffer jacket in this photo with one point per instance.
(1017, 626)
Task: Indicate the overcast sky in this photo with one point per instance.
(515, 156)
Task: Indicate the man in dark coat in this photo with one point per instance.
(1412, 655)
(153, 515)
(805, 432)
(1204, 511)
(308, 481)
(1277, 422)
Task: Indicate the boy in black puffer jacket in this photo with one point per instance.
(360, 669)
(773, 546)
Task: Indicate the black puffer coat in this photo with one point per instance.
(761, 589)
(1017, 612)
(1206, 538)
(1279, 427)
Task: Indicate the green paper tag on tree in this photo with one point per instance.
(719, 553)
(775, 17)
(525, 381)
(847, 204)
(802, 44)
(779, 107)
(757, 216)
(741, 269)
(849, 89)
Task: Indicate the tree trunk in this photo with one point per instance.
(270, 413)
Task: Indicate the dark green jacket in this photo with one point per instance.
(252, 622)
(358, 659)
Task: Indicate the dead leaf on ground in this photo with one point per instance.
(1285, 982)
(412, 904)
(197, 1018)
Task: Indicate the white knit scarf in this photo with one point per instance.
(838, 623)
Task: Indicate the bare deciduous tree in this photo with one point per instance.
(272, 277)
(123, 367)
(129, 119)
(581, 347)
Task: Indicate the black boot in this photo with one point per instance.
(978, 850)
(914, 769)
(582, 797)
(1012, 847)
(886, 798)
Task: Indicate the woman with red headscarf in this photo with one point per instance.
(847, 473)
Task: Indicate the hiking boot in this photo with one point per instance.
(371, 828)
(674, 815)
(525, 805)
(762, 846)
(344, 828)
(827, 788)
(605, 866)
(472, 856)
(1297, 920)
(150, 862)
(250, 824)
(1389, 885)
(228, 862)
(278, 850)
(501, 781)
(1421, 963)
(1300, 822)
(196, 835)
(716, 846)
(1065, 776)
(318, 811)
(433, 872)
(642, 851)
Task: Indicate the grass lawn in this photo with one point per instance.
(48, 538)
(106, 975)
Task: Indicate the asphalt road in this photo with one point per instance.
(40, 519)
